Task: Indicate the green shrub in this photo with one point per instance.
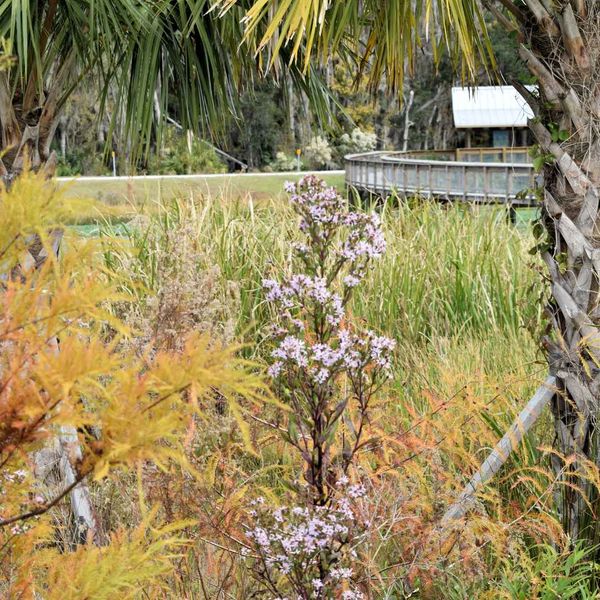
(550, 575)
(81, 162)
(176, 158)
(283, 162)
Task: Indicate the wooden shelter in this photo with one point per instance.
(491, 116)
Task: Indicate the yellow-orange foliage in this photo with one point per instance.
(127, 409)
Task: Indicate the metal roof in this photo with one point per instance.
(489, 106)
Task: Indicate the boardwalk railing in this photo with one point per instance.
(384, 173)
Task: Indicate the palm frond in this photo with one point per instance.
(386, 35)
(197, 60)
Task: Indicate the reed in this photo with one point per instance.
(460, 293)
(448, 271)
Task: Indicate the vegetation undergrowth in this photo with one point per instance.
(448, 271)
(78, 408)
(455, 289)
(459, 293)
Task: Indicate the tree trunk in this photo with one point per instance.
(561, 43)
(30, 122)
(407, 121)
(26, 141)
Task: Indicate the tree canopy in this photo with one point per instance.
(181, 50)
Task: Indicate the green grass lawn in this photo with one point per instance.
(118, 199)
(143, 191)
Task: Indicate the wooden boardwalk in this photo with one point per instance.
(484, 176)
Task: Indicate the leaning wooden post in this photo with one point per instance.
(499, 455)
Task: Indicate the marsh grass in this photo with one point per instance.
(457, 288)
(448, 271)
(460, 293)
(451, 271)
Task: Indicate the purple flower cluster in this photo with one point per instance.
(339, 246)
(344, 352)
(323, 214)
(302, 291)
(327, 370)
(366, 237)
(291, 542)
(317, 203)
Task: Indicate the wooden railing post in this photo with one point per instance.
(430, 182)
(486, 183)
(57, 455)
(503, 449)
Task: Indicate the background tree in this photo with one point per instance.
(262, 129)
(182, 50)
(560, 44)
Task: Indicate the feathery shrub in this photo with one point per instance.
(64, 366)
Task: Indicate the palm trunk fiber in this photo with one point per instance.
(561, 47)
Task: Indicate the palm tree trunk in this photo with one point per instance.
(29, 123)
(26, 139)
(559, 47)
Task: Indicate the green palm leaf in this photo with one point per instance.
(384, 34)
(197, 59)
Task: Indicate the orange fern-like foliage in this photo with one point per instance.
(59, 367)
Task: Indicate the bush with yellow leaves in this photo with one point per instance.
(60, 371)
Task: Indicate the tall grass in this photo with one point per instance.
(457, 289)
(460, 293)
(451, 271)
(447, 271)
